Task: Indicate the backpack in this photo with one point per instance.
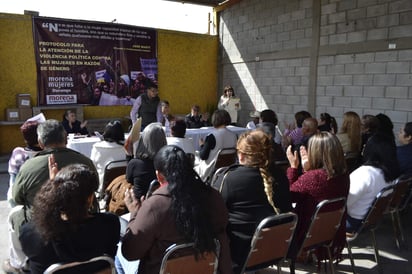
(114, 195)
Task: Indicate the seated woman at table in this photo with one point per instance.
(182, 209)
(324, 177)
(140, 170)
(72, 125)
(109, 149)
(219, 138)
(62, 229)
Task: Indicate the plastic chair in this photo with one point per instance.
(325, 222)
(181, 259)
(401, 196)
(371, 222)
(112, 170)
(270, 242)
(97, 265)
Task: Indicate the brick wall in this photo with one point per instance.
(324, 56)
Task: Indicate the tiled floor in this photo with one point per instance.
(394, 261)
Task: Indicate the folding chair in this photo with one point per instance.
(97, 265)
(325, 222)
(371, 222)
(181, 259)
(226, 157)
(270, 242)
(112, 170)
(401, 195)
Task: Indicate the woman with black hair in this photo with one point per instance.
(404, 151)
(380, 167)
(182, 209)
(62, 230)
(109, 149)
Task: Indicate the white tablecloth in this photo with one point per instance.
(84, 145)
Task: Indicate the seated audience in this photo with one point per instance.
(324, 177)
(72, 125)
(109, 149)
(32, 175)
(219, 138)
(21, 154)
(327, 123)
(255, 115)
(140, 171)
(251, 192)
(386, 126)
(196, 120)
(62, 230)
(309, 128)
(293, 134)
(269, 121)
(182, 209)
(404, 151)
(380, 167)
(178, 130)
(350, 133)
(369, 126)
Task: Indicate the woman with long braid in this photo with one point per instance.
(252, 192)
(182, 209)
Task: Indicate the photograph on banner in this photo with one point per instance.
(93, 63)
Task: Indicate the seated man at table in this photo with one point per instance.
(196, 120)
(32, 175)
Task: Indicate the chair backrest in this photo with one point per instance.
(98, 265)
(378, 208)
(270, 242)
(325, 222)
(226, 157)
(181, 259)
(401, 194)
(112, 170)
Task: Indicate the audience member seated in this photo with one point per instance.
(32, 175)
(269, 119)
(62, 229)
(386, 126)
(178, 130)
(196, 120)
(309, 128)
(350, 133)
(369, 126)
(182, 209)
(249, 190)
(220, 137)
(327, 123)
(293, 133)
(252, 124)
(380, 167)
(21, 154)
(109, 149)
(72, 125)
(167, 117)
(404, 151)
(324, 177)
(140, 171)
(268, 124)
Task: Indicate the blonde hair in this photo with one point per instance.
(256, 147)
(352, 126)
(325, 151)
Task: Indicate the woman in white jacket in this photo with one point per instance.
(230, 103)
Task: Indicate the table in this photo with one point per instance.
(196, 133)
(84, 145)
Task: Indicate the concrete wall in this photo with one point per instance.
(187, 65)
(322, 56)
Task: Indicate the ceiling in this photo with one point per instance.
(212, 3)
